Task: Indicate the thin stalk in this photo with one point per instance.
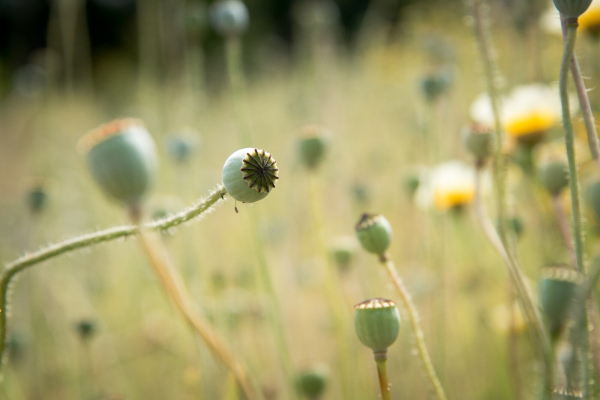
(15, 267)
(175, 288)
(416, 326)
(518, 278)
(570, 142)
(235, 74)
(384, 383)
(563, 227)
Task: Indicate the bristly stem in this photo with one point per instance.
(15, 267)
(175, 288)
(416, 325)
(584, 102)
(570, 141)
(384, 383)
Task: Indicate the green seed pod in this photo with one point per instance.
(312, 383)
(436, 84)
(377, 323)
(196, 18)
(37, 197)
(479, 140)
(85, 329)
(180, 148)
(572, 8)
(554, 176)
(250, 174)
(516, 225)
(558, 288)
(121, 157)
(229, 17)
(412, 183)
(342, 251)
(594, 197)
(313, 145)
(374, 233)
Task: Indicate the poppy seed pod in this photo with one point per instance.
(377, 323)
(121, 157)
(436, 84)
(374, 233)
(572, 8)
(554, 176)
(312, 383)
(342, 251)
(479, 140)
(37, 198)
(558, 288)
(250, 174)
(313, 145)
(229, 17)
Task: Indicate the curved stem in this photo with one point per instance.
(584, 103)
(176, 290)
(570, 142)
(416, 326)
(517, 276)
(15, 267)
(384, 383)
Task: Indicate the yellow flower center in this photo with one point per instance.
(590, 19)
(449, 198)
(535, 122)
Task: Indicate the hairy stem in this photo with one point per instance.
(15, 267)
(416, 326)
(384, 383)
(570, 142)
(175, 288)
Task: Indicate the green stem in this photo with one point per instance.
(416, 326)
(570, 142)
(235, 73)
(15, 267)
(384, 383)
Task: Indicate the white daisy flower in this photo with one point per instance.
(446, 186)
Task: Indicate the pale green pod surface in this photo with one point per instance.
(121, 157)
(377, 323)
(558, 288)
(312, 383)
(312, 146)
(250, 174)
(554, 176)
(374, 233)
(229, 17)
(37, 198)
(572, 8)
(479, 141)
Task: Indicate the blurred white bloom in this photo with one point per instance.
(589, 21)
(446, 186)
(527, 110)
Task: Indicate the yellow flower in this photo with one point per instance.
(527, 112)
(447, 186)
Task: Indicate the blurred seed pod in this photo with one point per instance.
(37, 196)
(312, 145)
(343, 250)
(121, 157)
(377, 323)
(196, 18)
(229, 17)
(250, 174)
(374, 233)
(516, 225)
(479, 140)
(311, 383)
(85, 329)
(181, 147)
(558, 289)
(572, 8)
(554, 176)
(412, 183)
(435, 84)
